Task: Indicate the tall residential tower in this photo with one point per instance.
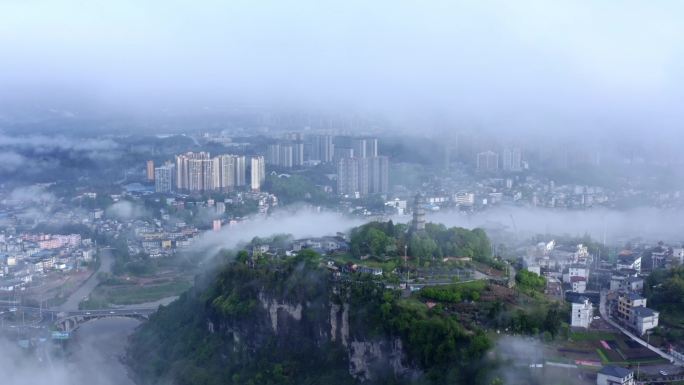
(258, 172)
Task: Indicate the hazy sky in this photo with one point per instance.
(511, 63)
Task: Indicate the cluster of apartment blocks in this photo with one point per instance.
(295, 150)
(198, 171)
(511, 160)
(360, 170)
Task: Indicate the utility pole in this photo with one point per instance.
(638, 369)
(406, 264)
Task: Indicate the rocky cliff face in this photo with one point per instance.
(319, 322)
(272, 325)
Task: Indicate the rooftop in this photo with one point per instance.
(580, 300)
(642, 311)
(633, 296)
(628, 259)
(615, 371)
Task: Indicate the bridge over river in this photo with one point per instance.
(68, 321)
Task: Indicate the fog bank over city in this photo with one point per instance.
(616, 226)
(571, 66)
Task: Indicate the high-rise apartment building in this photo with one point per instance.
(240, 171)
(512, 159)
(208, 174)
(228, 171)
(363, 175)
(322, 148)
(298, 153)
(150, 170)
(189, 171)
(379, 174)
(344, 148)
(164, 177)
(365, 147)
(273, 154)
(258, 173)
(294, 136)
(487, 161)
(285, 154)
(347, 176)
(343, 152)
(199, 172)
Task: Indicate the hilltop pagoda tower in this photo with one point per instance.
(418, 223)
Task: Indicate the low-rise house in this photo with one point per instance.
(635, 284)
(11, 285)
(183, 243)
(260, 249)
(614, 375)
(534, 269)
(629, 261)
(659, 259)
(645, 319)
(148, 245)
(626, 304)
(575, 270)
(633, 313)
(87, 254)
(616, 281)
(368, 270)
(582, 313)
(578, 284)
(321, 245)
(678, 255)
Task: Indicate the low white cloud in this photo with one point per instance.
(126, 210)
(10, 161)
(92, 148)
(299, 223)
(31, 194)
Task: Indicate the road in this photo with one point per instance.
(112, 312)
(106, 262)
(604, 314)
(148, 305)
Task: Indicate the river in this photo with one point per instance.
(96, 351)
(106, 262)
